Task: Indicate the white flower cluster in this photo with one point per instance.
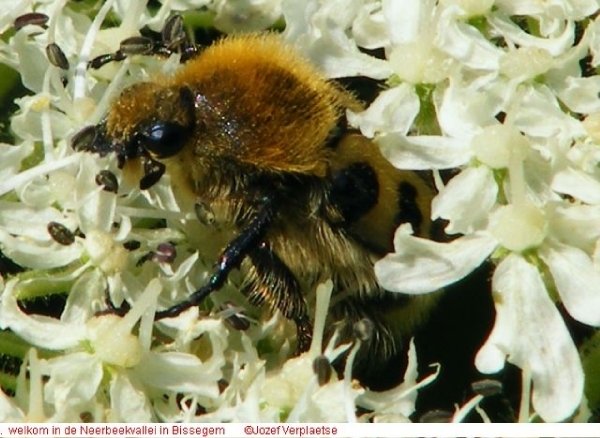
(527, 195)
(516, 110)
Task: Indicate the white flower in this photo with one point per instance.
(530, 333)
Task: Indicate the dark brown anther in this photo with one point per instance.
(137, 45)
(33, 18)
(107, 179)
(322, 369)
(86, 417)
(132, 245)
(165, 253)
(487, 387)
(204, 213)
(61, 234)
(56, 56)
(173, 33)
(436, 416)
(84, 140)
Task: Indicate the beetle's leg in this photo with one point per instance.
(174, 40)
(270, 280)
(249, 238)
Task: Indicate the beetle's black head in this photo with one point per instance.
(148, 122)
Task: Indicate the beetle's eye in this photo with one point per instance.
(164, 139)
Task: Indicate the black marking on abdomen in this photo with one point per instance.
(408, 209)
(355, 190)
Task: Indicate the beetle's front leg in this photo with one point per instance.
(231, 258)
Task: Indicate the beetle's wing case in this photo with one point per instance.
(262, 100)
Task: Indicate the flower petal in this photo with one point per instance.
(246, 16)
(464, 108)
(9, 411)
(464, 42)
(540, 115)
(368, 29)
(39, 330)
(580, 94)
(32, 62)
(466, 200)
(11, 157)
(98, 210)
(128, 403)
(37, 255)
(576, 224)
(394, 110)
(424, 152)
(530, 333)
(86, 293)
(320, 32)
(580, 293)
(179, 372)
(419, 265)
(74, 379)
(28, 124)
(560, 9)
(408, 20)
(576, 183)
(556, 45)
